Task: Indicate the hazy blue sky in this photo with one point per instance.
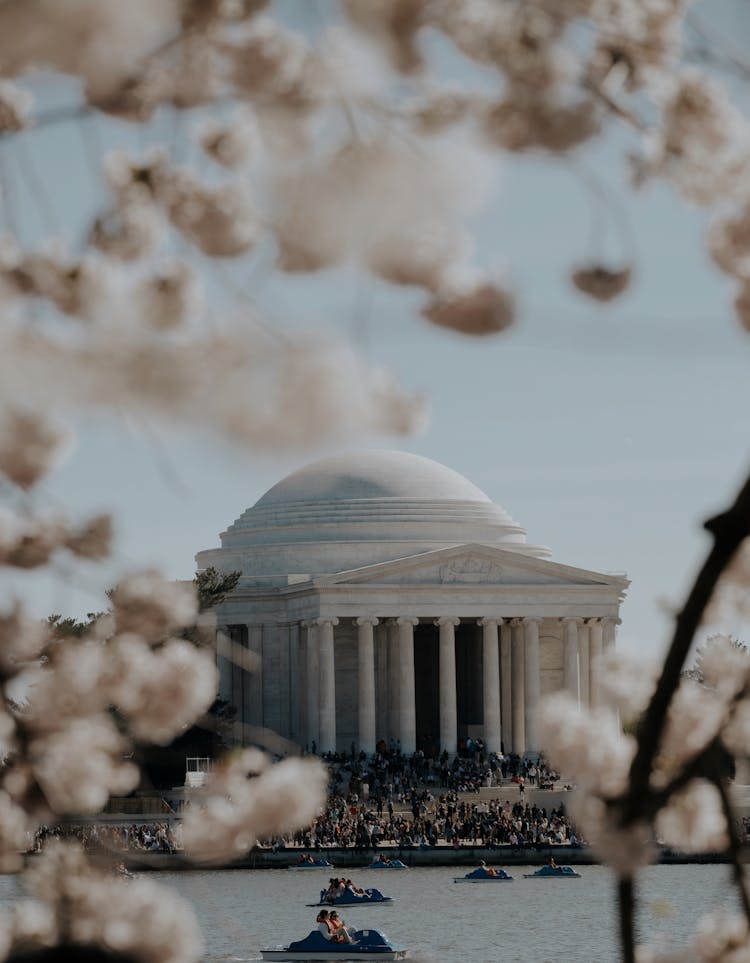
(609, 434)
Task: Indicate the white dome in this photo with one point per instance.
(373, 474)
(375, 495)
(353, 510)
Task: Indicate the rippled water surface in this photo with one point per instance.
(526, 921)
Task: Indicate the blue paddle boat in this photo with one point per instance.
(384, 862)
(368, 945)
(370, 897)
(553, 872)
(320, 863)
(484, 874)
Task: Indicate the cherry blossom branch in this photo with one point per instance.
(729, 530)
(630, 118)
(701, 765)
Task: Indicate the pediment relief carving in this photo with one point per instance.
(470, 568)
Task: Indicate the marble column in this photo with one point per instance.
(312, 683)
(570, 656)
(584, 663)
(517, 659)
(595, 656)
(366, 675)
(506, 686)
(448, 707)
(531, 683)
(381, 682)
(609, 631)
(491, 685)
(223, 664)
(407, 704)
(327, 676)
(394, 681)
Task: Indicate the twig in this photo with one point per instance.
(734, 56)
(614, 107)
(609, 200)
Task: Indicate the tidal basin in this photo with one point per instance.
(526, 921)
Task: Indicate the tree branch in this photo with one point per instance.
(626, 901)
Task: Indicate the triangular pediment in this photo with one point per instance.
(472, 564)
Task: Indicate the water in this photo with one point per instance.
(526, 921)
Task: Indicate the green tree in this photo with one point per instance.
(66, 626)
(213, 587)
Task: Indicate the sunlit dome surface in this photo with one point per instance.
(404, 503)
(373, 475)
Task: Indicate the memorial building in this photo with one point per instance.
(388, 598)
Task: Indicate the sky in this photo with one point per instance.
(609, 433)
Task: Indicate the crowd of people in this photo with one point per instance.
(148, 837)
(431, 822)
(391, 773)
(389, 799)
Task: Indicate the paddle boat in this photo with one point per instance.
(553, 872)
(310, 863)
(368, 945)
(483, 874)
(370, 897)
(384, 862)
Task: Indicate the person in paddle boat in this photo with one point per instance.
(489, 870)
(324, 927)
(357, 890)
(330, 894)
(553, 865)
(383, 860)
(340, 932)
(336, 888)
(305, 859)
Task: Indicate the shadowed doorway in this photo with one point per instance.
(427, 688)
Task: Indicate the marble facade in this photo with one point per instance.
(389, 598)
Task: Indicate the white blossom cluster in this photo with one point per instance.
(72, 904)
(595, 747)
(543, 89)
(66, 745)
(31, 541)
(255, 388)
(348, 146)
(249, 798)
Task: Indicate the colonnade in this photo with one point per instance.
(511, 683)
